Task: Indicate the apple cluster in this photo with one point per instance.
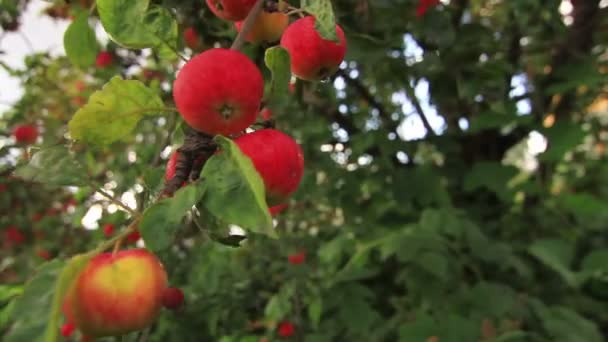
(217, 92)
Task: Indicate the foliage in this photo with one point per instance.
(461, 234)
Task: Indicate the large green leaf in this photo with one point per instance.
(35, 305)
(114, 111)
(55, 166)
(160, 221)
(130, 24)
(557, 255)
(80, 43)
(325, 22)
(235, 191)
(277, 60)
(63, 284)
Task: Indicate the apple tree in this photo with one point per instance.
(268, 170)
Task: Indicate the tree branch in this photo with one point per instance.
(411, 94)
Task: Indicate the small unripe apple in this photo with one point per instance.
(192, 39)
(312, 57)
(232, 10)
(117, 293)
(268, 27)
(277, 158)
(104, 59)
(25, 134)
(173, 298)
(219, 92)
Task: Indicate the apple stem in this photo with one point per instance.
(247, 25)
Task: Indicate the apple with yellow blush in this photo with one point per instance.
(117, 293)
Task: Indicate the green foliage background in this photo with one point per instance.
(451, 237)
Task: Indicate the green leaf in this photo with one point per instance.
(114, 111)
(34, 305)
(279, 305)
(235, 191)
(323, 12)
(562, 137)
(596, 261)
(277, 60)
(131, 25)
(419, 330)
(479, 177)
(557, 255)
(315, 309)
(55, 166)
(66, 278)
(160, 221)
(434, 263)
(80, 42)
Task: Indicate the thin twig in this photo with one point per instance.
(411, 93)
(247, 25)
(115, 201)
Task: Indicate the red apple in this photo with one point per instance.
(133, 237)
(277, 158)
(104, 59)
(14, 235)
(232, 10)
(219, 92)
(277, 209)
(173, 298)
(108, 230)
(286, 329)
(298, 258)
(268, 27)
(171, 164)
(118, 293)
(25, 134)
(312, 57)
(67, 329)
(192, 39)
(424, 6)
(44, 254)
(266, 114)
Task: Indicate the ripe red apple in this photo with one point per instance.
(25, 134)
(104, 59)
(277, 158)
(266, 114)
(268, 27)
(173, 298)
(118, 293)
(277, 209)
(171, 164)
(108, 230)
(286, 329)
(133, 237)
(14, 236)
(312, 57)
(232, 10)
(298, 258)
(192, 39)
(219, 92)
